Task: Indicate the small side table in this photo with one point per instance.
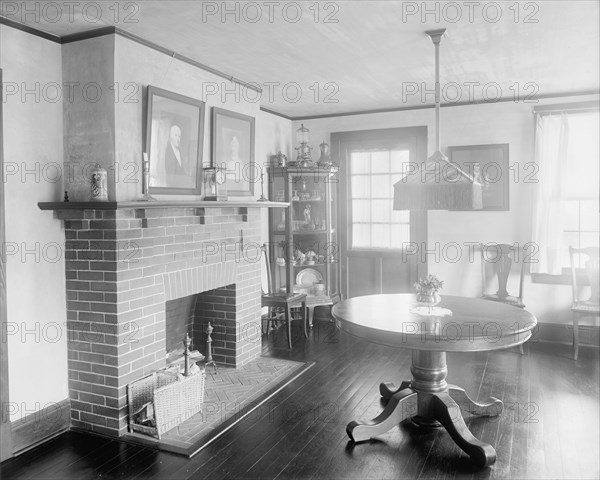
(313, 301)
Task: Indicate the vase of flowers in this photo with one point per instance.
(427, 291)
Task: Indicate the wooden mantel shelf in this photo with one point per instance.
(157, 204)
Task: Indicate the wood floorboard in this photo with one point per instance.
(273, 457)
(130, 466)
(536, 455)
(520, 436)
(92, 466)
(161, 465)
(502, 426)
(367, 406)
(72, 448)
(221, 452)
(248, 428)
(549, 428)
(548, 412)
(275, 411)
(283, 457)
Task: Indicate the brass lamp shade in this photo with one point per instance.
(437, 185)
(466, 196)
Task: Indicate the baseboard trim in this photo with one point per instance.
(41, 426)
(589, 335)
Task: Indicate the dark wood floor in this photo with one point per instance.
(549, 428)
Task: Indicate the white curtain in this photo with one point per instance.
(551, 146)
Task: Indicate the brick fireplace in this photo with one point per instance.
(127, 266)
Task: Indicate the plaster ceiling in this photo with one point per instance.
(362, 55)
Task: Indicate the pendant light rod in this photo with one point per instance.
(436, 38)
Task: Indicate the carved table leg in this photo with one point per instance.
(447, 412)
(304, 319)
(492, 408)
(435, 407)
(288, 317)
(395, 411)
(311, 314)
(387, 389)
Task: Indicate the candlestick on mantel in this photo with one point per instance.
(262, 188)
(146, 179)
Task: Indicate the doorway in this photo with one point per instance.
(376, 242)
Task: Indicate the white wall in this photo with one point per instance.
(33, 139)
(89, 116)
(33, 132)
(137, 66)
(509, 122)
(273, 135)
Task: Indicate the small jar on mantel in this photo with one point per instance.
(98, 184)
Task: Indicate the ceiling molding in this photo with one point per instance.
(563, 107)
(112, 30)
(30, 30)
(531, 100)
(273, 112)
(96, 32)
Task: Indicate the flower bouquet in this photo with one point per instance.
(427, 290)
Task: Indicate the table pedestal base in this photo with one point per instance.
(430, 402)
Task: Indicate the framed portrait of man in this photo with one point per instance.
(174, 142)
(233, 150)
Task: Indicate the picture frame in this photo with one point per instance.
(174, 142)
(488, 164)
(232, 149)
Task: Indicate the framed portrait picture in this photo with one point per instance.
(233, 150)
(489, 165)
(174, 141)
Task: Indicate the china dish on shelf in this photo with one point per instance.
(302, 289)
(308, 277)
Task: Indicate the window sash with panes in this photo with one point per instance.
(579, 200)
(375, 225)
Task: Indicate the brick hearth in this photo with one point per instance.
(123, 266)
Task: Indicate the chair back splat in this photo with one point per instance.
(584, 307)
(265, 252)
(501, 257)
(592, 273)
(282, 307)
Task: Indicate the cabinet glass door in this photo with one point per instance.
(278, 249)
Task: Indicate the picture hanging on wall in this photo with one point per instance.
(174, 142)
(489, 165)
(233, 150)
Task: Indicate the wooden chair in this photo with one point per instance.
(590, 307)
(282, 306)
(502, 257)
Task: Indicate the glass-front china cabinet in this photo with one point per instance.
(304, 246)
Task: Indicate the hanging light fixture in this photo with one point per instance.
(437, 184)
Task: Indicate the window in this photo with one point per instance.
(567, 206)
(374, 222)
(579, 199)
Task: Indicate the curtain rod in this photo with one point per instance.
(567, 107)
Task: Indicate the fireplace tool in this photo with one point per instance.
(209, 358)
